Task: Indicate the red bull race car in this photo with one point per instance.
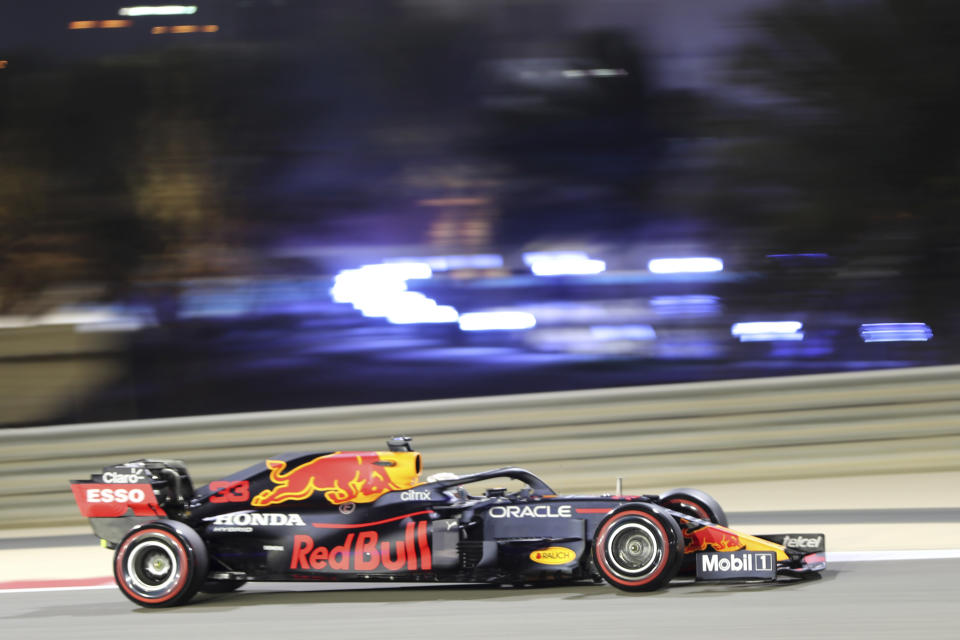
(366, 515)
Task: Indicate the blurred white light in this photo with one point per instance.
(380, 291)
(90, 318)
(685, 265)
(447, 263)
(574, 73)
(751, 328)
(895, 332)
(497, 321)
(434, 314)
(562, 263)
(771, 337)
(607, 73)
(623, 332)
(400, 301)
(767, 331)
(164, 10)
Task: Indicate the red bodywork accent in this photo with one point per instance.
(112, 500)
(719, 538)
(348, 476)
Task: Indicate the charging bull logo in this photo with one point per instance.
(344, 476)
(719, 538)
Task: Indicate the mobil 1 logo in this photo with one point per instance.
(737, 565)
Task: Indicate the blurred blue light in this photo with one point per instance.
(685, 265)
(623, 332)
(767, 331)
(685, 305)
(497, 321)
(895, 332)
(562, 263)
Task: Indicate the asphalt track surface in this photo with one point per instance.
(880, 599)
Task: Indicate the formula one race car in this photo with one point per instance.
(365, 515)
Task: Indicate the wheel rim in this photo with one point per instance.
(152, 568)
(633, 550)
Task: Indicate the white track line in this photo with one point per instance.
(39, 589)
(872, 556)
(832, 556)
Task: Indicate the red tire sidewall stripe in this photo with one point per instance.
(601, 540)
(184, 567)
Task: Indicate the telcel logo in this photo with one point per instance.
(116, 495)
(530, 511)
(802, 543)
(553, 555)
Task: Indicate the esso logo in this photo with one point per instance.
(116, 495)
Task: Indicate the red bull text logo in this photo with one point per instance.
(344, 476)
(719, 538)
(365, 551)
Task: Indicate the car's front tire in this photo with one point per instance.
(697, 503)
(160, 564)
(638, 547)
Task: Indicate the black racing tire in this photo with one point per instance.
(221, 586)
(699, 504)
(638, 547)
(160, 564)
(695, 502)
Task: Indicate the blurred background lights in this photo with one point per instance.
(685, 265)
(163, 10)
(767, 331)
(380, 291)
(623, 332)
(453, 262)
(497, 321)
(895, 332)
(685, 305)
(560, 263)
(100, 24)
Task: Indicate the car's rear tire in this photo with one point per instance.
(638, 547)
(160, 564)
(695, 502)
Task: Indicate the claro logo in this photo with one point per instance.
(133, 476)
(553, 555)
(530, 511)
